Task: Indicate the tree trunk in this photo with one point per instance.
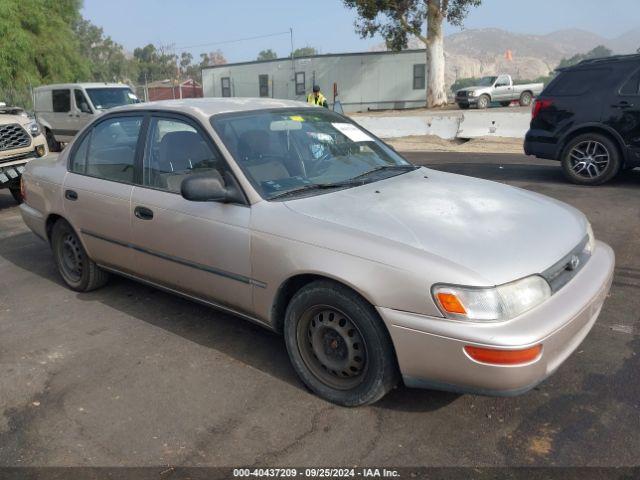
(436, 93)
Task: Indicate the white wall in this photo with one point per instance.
(365, 81)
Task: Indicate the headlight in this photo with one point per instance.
(591, 243)
(492, 304)
(471, 93)
(34, 129)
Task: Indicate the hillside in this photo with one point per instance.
(478, 52)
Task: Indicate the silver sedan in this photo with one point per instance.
(375, 271)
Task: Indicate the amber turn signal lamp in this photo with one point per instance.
(451, 304)
(503, 357)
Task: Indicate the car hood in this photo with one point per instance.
(19, 119)
(501, 233)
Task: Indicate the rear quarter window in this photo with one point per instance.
(577, 82)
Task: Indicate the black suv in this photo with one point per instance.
(588, 117)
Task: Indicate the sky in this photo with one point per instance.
(205, 25)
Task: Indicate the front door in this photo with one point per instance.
(82, 112)
(97, 189)
(625, 114)
(198, 248)
(503, 90)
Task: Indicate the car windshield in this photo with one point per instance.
(487, 81)
(104, 98)
(291, 152)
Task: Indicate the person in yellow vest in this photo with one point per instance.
(317, 98)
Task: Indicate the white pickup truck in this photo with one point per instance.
(497, 89)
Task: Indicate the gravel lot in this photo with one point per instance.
(129, 375)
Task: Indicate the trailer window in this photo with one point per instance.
(418, 76)
(300, 83)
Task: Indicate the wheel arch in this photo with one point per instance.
(593, 128)
(289, 287)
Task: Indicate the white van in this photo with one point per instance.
(64, 109)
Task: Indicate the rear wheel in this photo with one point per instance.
(590, 159)
(525, 99)
(483, 102)
(52, 143)
(78, 271)
(338, 345)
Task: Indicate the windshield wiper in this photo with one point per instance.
(312, 186)
(385, 167)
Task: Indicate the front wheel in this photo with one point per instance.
(590, 159)
(78, 271)
(52, 143)
(483, 102)
(339, 346)
(16, 194)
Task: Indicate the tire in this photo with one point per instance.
(483, 102)
(505, 104)
(463, 106)
(77, 270)
(525, 99)
(590, 159)
(17, 194)
(52, 143)
(339, 346)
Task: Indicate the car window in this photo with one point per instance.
(61, 100)
(81, 101)
(112, 148)
(79, 156)
(285, 150)
(175, 150)
(632, 86)
(577, 82)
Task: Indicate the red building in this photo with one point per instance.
(173, 89)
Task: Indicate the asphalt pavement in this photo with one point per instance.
(129, 375)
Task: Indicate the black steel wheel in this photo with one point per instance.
(16, 193)
(590, 159)
(52, 143)
(77, 270)
(338, 345)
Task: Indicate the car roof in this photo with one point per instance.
(206, 107)
(84, 85)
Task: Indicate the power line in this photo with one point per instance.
(187, 47)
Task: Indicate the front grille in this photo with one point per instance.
(22, 156)
(559, 274)
(13, 136)
(462, 94)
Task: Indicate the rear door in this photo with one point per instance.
(97, 188)
(198, 248)
(62, 121)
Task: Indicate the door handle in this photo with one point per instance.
(143, 213)
(71, 195)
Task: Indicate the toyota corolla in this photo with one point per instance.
(375, 271)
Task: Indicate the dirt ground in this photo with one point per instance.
(433, 143)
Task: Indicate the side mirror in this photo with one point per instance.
(84, 108)
(207, 188)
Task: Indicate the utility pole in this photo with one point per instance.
(293, 66)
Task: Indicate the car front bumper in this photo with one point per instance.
(431, 354)
(467, 100)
